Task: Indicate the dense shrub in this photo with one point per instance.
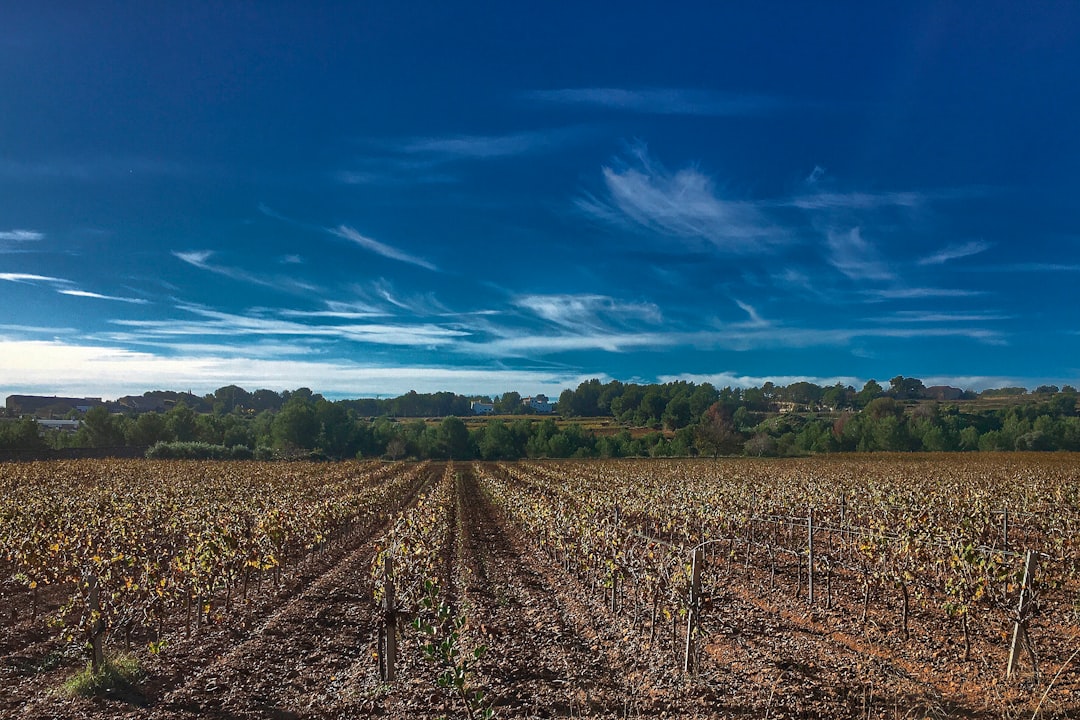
(197, 451)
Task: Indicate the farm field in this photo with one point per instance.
(885, 586)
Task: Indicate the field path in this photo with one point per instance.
(547, 655)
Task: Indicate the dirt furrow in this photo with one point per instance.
(547, 656)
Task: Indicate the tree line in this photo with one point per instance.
(670, 419)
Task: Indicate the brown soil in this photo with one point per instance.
(553, 647)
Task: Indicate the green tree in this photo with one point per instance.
(652, 406)
(22, 434)
(509, 404)
(181, 423)
(496, 442)
(335, 429)
(677, 413)
(296, 426)
(870, 391)
(148, 429)
(100, 428)
(455, 437)
(903, 388)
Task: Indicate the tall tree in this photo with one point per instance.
(716, 433)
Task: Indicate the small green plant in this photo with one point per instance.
(119, 675)
(440, 642)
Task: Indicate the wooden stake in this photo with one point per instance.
(1020, 634)
(692, 611)
(389, 663)
(97, 652)
(810, 556)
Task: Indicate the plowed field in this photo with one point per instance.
(551, 644)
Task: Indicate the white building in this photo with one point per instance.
(482, 408)
(538, 403)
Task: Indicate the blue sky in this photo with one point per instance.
(368, 198)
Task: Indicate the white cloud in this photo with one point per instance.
(730, 379)
(379, 248)
(918, 316)
(98, 296)
(683, 205)
(915, 293)
(57, 367)
(200, 259)
(214, 323)
(755, 319)
(197, 258)
(486, 146)
(660, 101)
(855, 257)
(31, 278)
(21, 235)
(855, 200)
(578, 311)
(736, 337)
(955, 252)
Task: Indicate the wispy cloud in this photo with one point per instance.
(488, 146)
(424, 160)
(739, 337)
(201, 260)
(755, 318)
(661, 101)
(955, 252)
(918, 316)
(915, 293)
(854, 200)
(214, 323)
(32, 278)
(684, 204)
(580, 311)
(21, 235)
(852, 255)
(99, 296)
(346, 232)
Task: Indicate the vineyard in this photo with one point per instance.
(861, 586)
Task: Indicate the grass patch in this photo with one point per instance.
(118, 677)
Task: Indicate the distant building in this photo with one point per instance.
(943, 392)
(144, 404)
(482, 408)
(537, 403)
(47, 406)
(64, 425)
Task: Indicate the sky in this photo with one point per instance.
(371, 198)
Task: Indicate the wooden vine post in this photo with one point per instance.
(1005, 541)
(810, 556)
(97, 625)
(389, 644)
(695, 604)
(615, 571)
(1020, 638)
